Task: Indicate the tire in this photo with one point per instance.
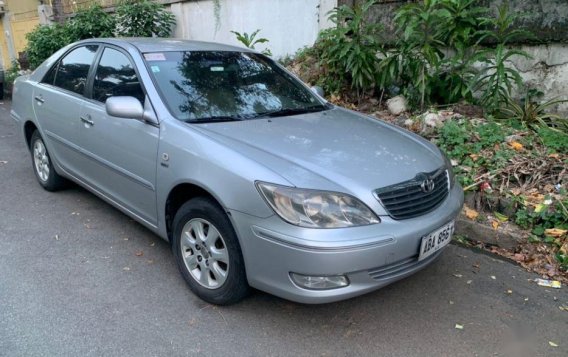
(42, 165)
(207, 252)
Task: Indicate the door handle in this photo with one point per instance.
(87, 120)
(39, 98)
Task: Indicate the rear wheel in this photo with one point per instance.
(42, 165)
(208, 253)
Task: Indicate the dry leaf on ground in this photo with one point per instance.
(470, 213)
(555, 232)
(516, 145)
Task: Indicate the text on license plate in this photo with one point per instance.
(436, 240)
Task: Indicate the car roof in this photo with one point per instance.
(152, 44)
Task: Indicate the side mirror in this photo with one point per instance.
(124, 107)
(319, 91)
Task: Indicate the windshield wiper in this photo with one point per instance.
(291, 111)
(215, 119)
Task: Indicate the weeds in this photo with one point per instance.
(349, 50)
(250, 40)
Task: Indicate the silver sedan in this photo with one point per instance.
(254, 179)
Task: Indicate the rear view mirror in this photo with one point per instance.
(124, 107)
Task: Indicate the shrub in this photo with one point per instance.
(143, 18)
(350, 49)
(498, 79)
(90, 23)
(420, 62)
(45, 40)
(138, 18)
(532, 113)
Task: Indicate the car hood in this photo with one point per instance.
(335, 149)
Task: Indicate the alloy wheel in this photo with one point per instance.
(205, 253)
(41, 160)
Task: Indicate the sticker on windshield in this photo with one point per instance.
(154, 56)
(217, 69)
(155, 69)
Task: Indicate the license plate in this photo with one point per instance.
(436, 240)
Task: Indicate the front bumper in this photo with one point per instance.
(370, 256)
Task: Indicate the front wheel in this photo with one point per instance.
(42, 165)
(208, 253)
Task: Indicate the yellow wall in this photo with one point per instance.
(22, 8)
(19, 31)
(23, 17)
(4, 47)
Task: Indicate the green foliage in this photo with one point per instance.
(553, 140)
(90, 23)
(551, 215)
(12, 73)
(349, 49)
(462, 139)
(433, 60)
(45, 40)
(143, 18)
(562, 258)
(497, 79)
(530, 113)
(250, 40)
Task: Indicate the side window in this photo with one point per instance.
(50, 76)
(115, 76)
(74, 68)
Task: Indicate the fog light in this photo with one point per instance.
(319, 282)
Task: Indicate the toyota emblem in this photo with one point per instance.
(427, 185)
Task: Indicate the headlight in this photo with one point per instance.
(450, 169)
(316, 209)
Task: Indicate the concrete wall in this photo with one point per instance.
(288, 24)
(547, 70)
(546, 19)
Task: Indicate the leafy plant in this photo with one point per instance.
(421, 63)
(544, 216)
(349, 50)
(532, 114)
(90, 23)
(250, 40)
(463, 22)
(498, 79)
(12, 73)
(45, 40)
(137, 18)
(553, 140)
(463, 140)
(143, 18)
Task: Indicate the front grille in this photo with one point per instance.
(401, 267)
(408, 199)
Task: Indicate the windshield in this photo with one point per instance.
(202, 86)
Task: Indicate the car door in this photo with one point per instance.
(57, 102)
(123, 152)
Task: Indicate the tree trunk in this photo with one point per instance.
(58, 15)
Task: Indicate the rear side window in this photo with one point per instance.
(116, 76)
(73, 69)
(50, 76)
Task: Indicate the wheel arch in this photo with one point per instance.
(29, 128)
(180, 194)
